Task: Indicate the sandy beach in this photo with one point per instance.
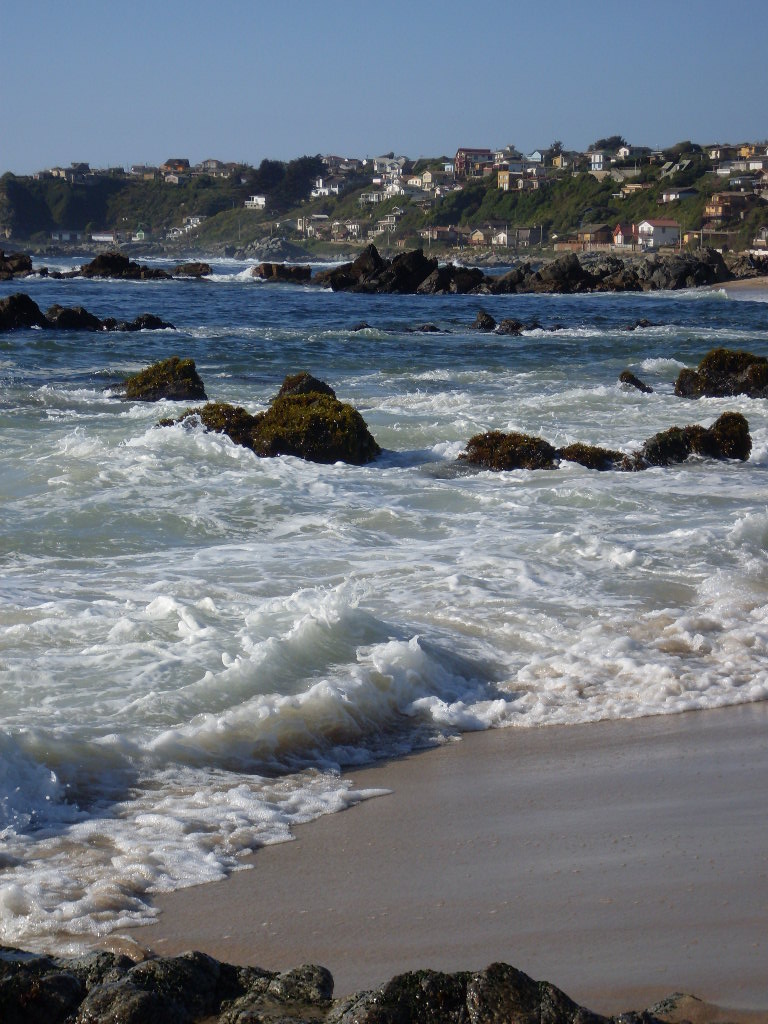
(759, 285)
(621, 861)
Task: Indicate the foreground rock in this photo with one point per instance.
(723, 373)
(727, 438)
(305, 419)
(19, 311)
(175, 379)
(194, 988)
(195, 270)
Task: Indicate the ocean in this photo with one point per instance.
(196, 644)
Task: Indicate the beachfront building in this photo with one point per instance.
(651, 234)
(625, 236)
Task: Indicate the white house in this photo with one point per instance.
(653, 233)
(255, 203)
(324, 188)
(597, 160)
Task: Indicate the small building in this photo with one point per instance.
(598, 161)
(674, 195)
(651, 234)
(590, 235)
(175, 165)
(140, 235)
(625, 236)
(105, 237)
(255, 203)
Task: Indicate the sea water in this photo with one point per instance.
(197, 644)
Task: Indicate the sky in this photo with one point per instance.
(116, 84)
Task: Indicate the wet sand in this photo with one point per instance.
(620, 861)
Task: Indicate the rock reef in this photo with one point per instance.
(174, 378)
(414, 273)
(727, 438)
(18, 311)
(194, 988)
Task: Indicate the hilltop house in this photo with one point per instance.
(467, 160)
(175, 166)
(255, 203)
(673, 195)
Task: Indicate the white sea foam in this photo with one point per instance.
(195, 643)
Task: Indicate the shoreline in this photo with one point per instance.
(621, 861)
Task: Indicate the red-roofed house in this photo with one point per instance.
(625, 235)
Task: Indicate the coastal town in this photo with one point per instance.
(613, 196)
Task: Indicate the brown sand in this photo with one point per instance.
(753, 284)
(621, 861)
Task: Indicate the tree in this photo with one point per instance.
(612, 143)
(555, 148)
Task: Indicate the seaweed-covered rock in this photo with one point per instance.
(304, 384)
(307, 984)
(315, 427)
(312, 425)
(499, 451)
(19, 310)
(727, 438)
(594, 457)
(627, 377)
(483, 322)
(723, 373)
(173, 378)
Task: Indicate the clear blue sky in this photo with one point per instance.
(116, 83)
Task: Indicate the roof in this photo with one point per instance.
(663, 222)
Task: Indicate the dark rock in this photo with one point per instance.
(349, 276)
(511, 282)
(627, 377)
(220, 418)
(114, 264)
(451, 280)
(173, 378)
(304, 384)
(15, 264)
(509, 326)
(27, 997)
(402, 276)
(483, 322)
(499, 451)
(563, 275)
(723, 373)
(73, 318)
(192, 270)
(363, 325)
(682, 270)
(307, 984)
(593, 457)
(282, 272)
(18, 310)
(418, 997)
(146, 322)
(428, 329)
(639, 323)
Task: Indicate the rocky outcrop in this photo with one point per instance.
(727, 438)
(114, 264)
(282, 272)
(195, 270)
(174, 378)
(196, 989)
(723, 373)
(568, 274)
(305, 419)
(15, 264)
(19, 310)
